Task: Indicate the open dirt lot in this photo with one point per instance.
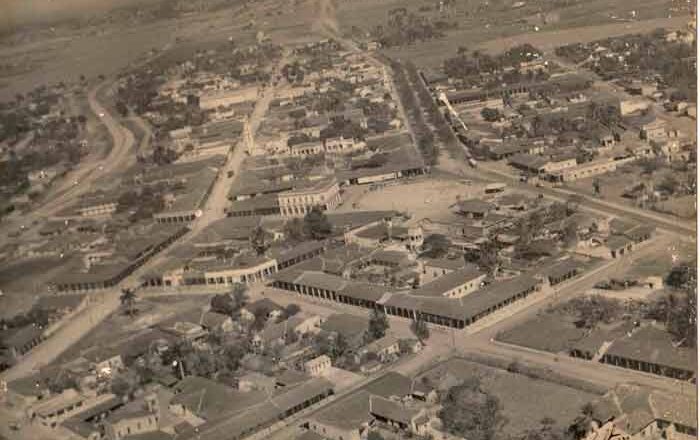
(20, 283)
(421, 198)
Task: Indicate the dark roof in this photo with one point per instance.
(265, 201)
(369, 292)
(654, 345)
(476, 206)
(287, 254)
(290, 377)
(390, 384)
(562, 268)
(467, 306)
(349, 326)
(445, 283)
(265, 304)
(211, 399)
(445, 263)
(391, 410)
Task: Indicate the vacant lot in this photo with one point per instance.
(21, 282)
(548, 331)
(525, 401)
(659, 264)
(421, 198)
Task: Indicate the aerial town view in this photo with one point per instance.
(348, 220)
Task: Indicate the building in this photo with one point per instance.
(135, 418)
(223, 98)
(242, 422)
(429, 302)
(453, 284)
(654, 131)
(323, 193)
(408, 419)
(652, 350)
(635, 413)
(383, 349)
(317, 366)
(55, 409)
(584, 170)
(96, 207)
(474, 208)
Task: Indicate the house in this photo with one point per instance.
(351, 327)
(474, 208)
(433, 268)
(53, 410)
(384, 349)
(395, 415)
(263, 307)
(454, 284)
(105, 360)
(201, 399)
(637, 412)
(134, 418)
(317, 366)
(654, 131)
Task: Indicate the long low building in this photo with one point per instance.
(434, 308)
(259, 418)
(132, 253)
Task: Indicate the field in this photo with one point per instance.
(495, 26)
(660, 265)
(65, 59)
(21, 281)
(517, 394)
(553, 332)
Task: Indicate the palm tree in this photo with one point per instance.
(128, 300)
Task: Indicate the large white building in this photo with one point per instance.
(322, 193)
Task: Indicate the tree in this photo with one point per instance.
(582, 424)
(62, 381)
(125, 384)
(294, 229)
(420, 328)
(222, 303)
(490, 114)
(488, 258)
(374, 435)
(596, 186)
(292, 309)
(378, 324)
(316, 224)
(239, 293)
(594, 309)
(436, 245)
(470, 412)
(258, 240)
(128, 300)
